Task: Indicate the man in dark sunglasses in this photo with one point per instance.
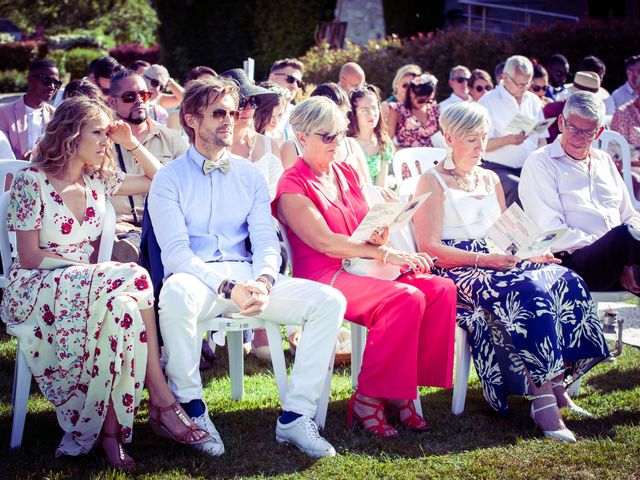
(287, 73)
(26, 119)
(129, 99)
(459, 83)
(204, 207)
(101, 71)
(558, 70)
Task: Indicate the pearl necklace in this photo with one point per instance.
(463, 185)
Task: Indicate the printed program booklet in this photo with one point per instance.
(516, 234)
(522, 124)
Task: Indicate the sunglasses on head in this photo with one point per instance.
(155, 83)
(537, 88)
(460, 79)
(328, 138)
(130, 97)
(480, 88)
(47, 80)
(221, 113)
(291, 79)
(248, 102)
(423, 90)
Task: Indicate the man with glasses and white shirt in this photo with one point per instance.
(569, 184)
(287, 73)
(25, 120)
(204, 206)
(129, 99)
(459, 83)
(506, 152)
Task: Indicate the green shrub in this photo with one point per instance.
(437, 52)
(18, 55)
(77, 60)
(81, 38)
(12, 81)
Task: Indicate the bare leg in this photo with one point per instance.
(550, 418)
(159, 392)
(110, 442)
(370, 413)
(561, 394)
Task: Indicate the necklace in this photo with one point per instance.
(463, 185)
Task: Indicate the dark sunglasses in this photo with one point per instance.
(130, 97)
(537, 88)
(291, 79)
(328, 138)
(486, 88)
(422, 90)
(47, 80)
(221, 113)
(422, 100)
(460, 79)
(155, 83)
(248, 102)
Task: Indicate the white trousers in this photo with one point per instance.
(185, 302)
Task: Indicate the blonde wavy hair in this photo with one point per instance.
(62, 136)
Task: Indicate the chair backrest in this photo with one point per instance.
(10, 167)
(427, 157)
(617, 146)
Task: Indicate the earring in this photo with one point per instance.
(448, 160)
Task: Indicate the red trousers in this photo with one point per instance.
(411, 335)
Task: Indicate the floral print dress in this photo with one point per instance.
(411, 132)
(79, 326)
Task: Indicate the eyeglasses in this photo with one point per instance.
(47, 80)
(480, 88)
(291, 79)
(537, 88)
(154, 83)
(422, 90)
(248, 102)
(328, 138)
(460, 79)
(579, 131)
(130, 97)
(523, 86)
(221, 113)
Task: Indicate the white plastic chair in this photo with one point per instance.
(427, 157)
(603, 142)
(22, 373)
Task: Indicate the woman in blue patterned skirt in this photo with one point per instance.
(532, 324)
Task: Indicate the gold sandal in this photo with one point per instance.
(162, 430)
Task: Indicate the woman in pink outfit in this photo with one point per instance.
(320, 202)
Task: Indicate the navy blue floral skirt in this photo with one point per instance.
(534, 317)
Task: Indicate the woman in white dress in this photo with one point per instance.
(87, 330)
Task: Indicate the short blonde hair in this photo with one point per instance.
(462, 118)
(317, 115)
(410, 69)
(62, 136)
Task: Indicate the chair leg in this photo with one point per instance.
(236, 364)
(461, 379)
(358, 342)
(277, 358)
(323, 401)
(20, 400)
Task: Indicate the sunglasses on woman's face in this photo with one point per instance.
(248, 102)
(537, 88)
(422, 100)
(155, 83)
(328, 138)
(291, 79)
(130, 97)
(480, 88)
(422, 90)
(47, 80)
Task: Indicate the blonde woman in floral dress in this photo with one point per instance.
(87, 330)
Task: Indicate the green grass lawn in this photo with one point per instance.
(476, 444)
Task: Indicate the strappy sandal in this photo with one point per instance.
(411, 422)
(380, 428)
(124, 463)
(572, 407)
(162, 430)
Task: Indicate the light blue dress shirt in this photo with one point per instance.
(201, 221)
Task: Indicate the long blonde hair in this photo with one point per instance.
(61, 138)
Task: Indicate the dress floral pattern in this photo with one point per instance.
(411, 132)
(79, 326)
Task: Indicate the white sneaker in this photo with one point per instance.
(303, 433)
(213, 447)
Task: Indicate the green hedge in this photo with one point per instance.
(12, 81)
(611, 40)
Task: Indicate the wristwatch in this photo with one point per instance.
(226, 287)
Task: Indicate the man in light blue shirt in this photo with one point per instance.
(204, 206)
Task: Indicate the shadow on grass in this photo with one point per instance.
(615, 379)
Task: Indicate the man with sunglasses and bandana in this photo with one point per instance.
(204, 206)
(25, 120)
(569, 184)
(129, 99)
(459, 82)
(506, 151)
(287, 73)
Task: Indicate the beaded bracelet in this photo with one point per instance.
(385, 257)
(266, 283)
(475, 264)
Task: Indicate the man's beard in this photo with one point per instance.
(135, 121)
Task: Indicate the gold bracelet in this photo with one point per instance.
(476, 261)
